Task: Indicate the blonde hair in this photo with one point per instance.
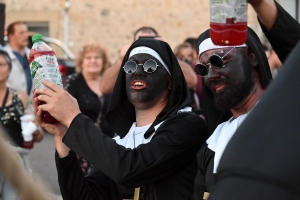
(92, 47)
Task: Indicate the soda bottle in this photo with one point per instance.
(228, 22)
(43, 65)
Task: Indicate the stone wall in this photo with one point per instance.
(113, 22)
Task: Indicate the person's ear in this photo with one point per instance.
(251, 57)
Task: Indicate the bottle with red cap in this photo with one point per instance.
(43, 65)
(228, 22)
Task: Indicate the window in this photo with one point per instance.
(38, 27)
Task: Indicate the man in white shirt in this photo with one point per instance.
(20, 77)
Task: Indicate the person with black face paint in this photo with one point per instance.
(158, 135)
(110, 75)
(235, 78)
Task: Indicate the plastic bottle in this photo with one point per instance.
(228, 22)
(43, 65)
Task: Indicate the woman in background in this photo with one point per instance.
(12, 105)
(184, 52)
(84, 85)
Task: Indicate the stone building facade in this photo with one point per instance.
(113, 22)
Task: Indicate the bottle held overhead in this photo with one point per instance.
(43, 65)
(228, 22)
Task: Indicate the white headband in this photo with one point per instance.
(147, 50)
(207, 44)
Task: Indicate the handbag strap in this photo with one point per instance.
(4, 101)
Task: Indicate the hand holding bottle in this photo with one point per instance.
(58, 102)
(43, 65)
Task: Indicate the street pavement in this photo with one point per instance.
(43, 167)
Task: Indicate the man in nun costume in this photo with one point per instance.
(235, 78)
(262, 159)
(158, 135)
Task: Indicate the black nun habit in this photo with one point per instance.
(204, 181)
(121, 113)
(164, 168)
(283, 36)
(262, 160)
(214, 116)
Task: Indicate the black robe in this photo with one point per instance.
(164, 168)
(284, 26)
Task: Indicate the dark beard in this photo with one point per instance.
(234, 93)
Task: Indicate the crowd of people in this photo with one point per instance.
(156, 123)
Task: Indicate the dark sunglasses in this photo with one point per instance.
(215, 60)
(149, 66)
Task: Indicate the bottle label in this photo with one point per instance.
(45, 67)
(228, 11)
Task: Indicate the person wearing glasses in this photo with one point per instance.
(235, 78)
(158, 135)
(110, 75)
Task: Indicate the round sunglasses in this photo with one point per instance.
(215, 60)
(149, 66)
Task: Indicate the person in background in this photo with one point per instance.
(193, 42)
(110, 76)
(84, 86)
(12, 105)
(198, 89)
(274, 62)
(20, 77)
(184, 52)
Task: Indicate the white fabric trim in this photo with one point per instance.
(135, 135)
(147, 50)
(207, 44)
(186, 109)
(218, 141)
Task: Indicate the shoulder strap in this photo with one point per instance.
(4, 100)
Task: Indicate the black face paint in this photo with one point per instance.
(238, 78)
(146, 88)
